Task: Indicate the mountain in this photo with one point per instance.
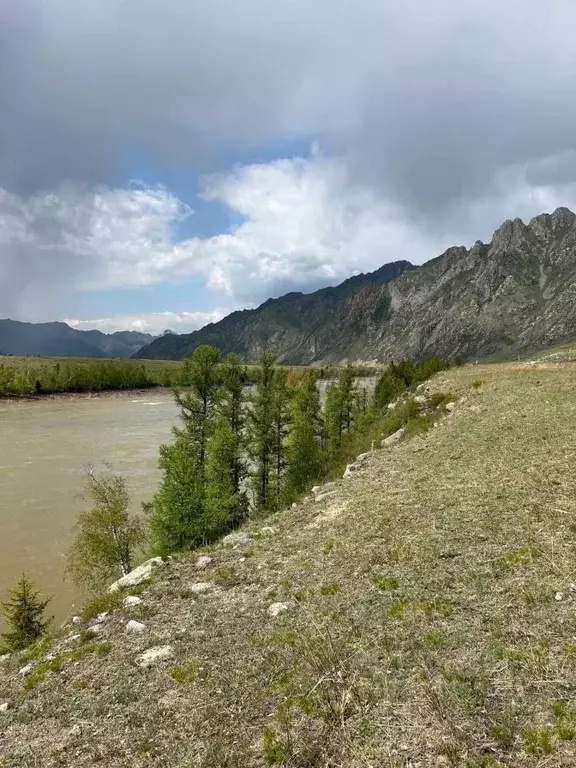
(60, 340)
(516, 292)
(300, 328)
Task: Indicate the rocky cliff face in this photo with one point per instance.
(517, 292)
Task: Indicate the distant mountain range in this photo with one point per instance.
(60, 340)
(516, 292)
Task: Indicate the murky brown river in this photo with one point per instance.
(45, 446)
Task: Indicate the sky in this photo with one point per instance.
(164, 163)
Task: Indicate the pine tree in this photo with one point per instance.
(280, 422)
(178, 518)
(348, 394)
(333, 421)
(226, 505)
(232, 410)
(107, 534)
(203, 376)
(176, 515)
(304, 450)
(24, 613)
(261, 431)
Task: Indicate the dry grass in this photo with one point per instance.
(423, 627)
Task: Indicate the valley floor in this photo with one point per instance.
(420, 613)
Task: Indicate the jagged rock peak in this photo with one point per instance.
(508, 234)
(560, 219)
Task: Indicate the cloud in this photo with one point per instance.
(304, 223)
(154, 322)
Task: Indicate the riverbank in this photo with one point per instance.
(429, 593)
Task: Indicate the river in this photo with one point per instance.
(45, 447)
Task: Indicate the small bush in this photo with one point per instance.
(477, 383)
(42, 671)
(329, 589)
(386, 583)
(36, 651)
(188, 673)
(109, 601)
(539, 741)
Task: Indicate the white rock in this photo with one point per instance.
(5, 657)
(5, 706)
(131, 601)
(237, 540)
(76, 730)
(96, 629)
(420, 399)
(316, 489)
(203, 562)
(558, 596)
(350, 470)
(76, 620)
(201, 586)
(391, 439)
(277, 608)
(154, 656)
(294, 505)
(420, 387)
(268, 530)
(450, 407)
(362, 457)
(138, 575)
(25, 670)
(135, 627)
(101, 618)
(391, 406)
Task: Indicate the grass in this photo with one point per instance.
(108, 601)
(442, 645)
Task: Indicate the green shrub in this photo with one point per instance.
(186, 673)
(109, 601)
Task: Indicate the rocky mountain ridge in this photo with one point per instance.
(516, 292)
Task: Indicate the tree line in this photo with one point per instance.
(235, 454)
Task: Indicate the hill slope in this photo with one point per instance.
(60, 340)
(517, 292)
(429, 617)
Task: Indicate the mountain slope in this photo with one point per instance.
(429, 617)
(60, 340)
(517, 292)
(299, 327)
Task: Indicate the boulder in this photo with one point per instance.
(75, 731)
(25, 671)
(350, 470)
(420, 399)
(362, 457)
(201, 586)
(138, 575)
(135, 627)
(5, 657)
(327, 495)
(76, 620)
(131, 601)
(154, 656)
(236, 540)
(5, 706)
(277, 608)
(394, 438)
(450, 407)
(203, 562)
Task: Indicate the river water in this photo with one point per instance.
(45, 447)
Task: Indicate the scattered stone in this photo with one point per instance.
(420, 387)
(294, 505)
(25, 670)
(76, 620)
(362, 457)
(391, 406)
(558, 596)
(154, 656)
(135, 627)
(73, 638)
(420, 399)
(138, 575)
(236, 540)
(131, 601)
(201, 586)
(277, 608)
(326, 495)
(5, 657)
(350, 470)
(321, 489)
(5, 706)
(572, 587)
(101, 618)
(450, 407)
(394, 438)
(316, 489)
(268, 530)
(75, 731)
(203, 562)
(96, 628)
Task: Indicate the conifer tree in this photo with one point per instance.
(107, 536)
(280, 422)
(261, 431)
(348, 393)
(333, 420)
(178, 517)
(232, 410)
(226, 504)
(24, 613)
(304, 450)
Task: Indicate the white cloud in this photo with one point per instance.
(304, 224)
(154, 322)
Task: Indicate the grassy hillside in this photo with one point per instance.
(429, 616)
